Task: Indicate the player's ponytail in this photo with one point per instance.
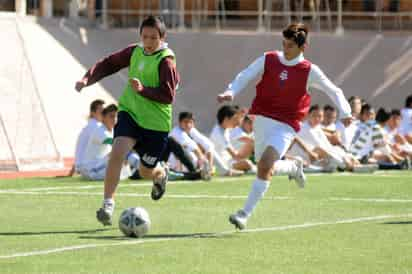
(297, 32)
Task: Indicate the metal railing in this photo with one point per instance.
(326, 15)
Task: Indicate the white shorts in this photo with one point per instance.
(269, 132)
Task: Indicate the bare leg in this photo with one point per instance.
(121, 146)
(151, 173)
(266, 164)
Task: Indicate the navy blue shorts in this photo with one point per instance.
(150, 144)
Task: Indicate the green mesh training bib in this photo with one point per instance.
(147, 113)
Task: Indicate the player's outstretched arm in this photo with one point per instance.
(319, 80)
(105, 67)
(242, 79)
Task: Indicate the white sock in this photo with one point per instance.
(108, 201)
(256, 193)
(285, 167)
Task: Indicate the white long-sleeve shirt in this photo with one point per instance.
(316, 79)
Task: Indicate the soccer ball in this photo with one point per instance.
(134, 222)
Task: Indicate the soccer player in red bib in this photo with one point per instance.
(282, 101)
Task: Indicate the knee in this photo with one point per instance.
(265, 166)
(117, 156)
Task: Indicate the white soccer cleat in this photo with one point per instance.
(239, 219)
(105, 213)
(299, 176)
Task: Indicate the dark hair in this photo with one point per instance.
(382, 115)
(109, 109)
(227, 111)
(185, 115)
(328, 108)
(154, 22)
(297, 32)
(247, 119)
(366, 108)
(95, 104)
(395, 112)
(353, 98)
(314, 108)
(408, 102)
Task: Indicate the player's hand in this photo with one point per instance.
(225, 96)
(347, 121)
(80, 85)
(136, 84)
(313, 156)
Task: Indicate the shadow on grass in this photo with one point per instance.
(54, 232)
(398, 223)
(159, 236)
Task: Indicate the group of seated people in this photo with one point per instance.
(381, 139)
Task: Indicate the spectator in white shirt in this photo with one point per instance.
(398, 142)
(347, 131)
(242, 136)
(196, 145)
(372, 144)
(329, 125)
(322, 152)
(228, 118)
(406, 124)
(99, 146)
(356, 106)
(95, 118)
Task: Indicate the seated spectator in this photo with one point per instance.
(356, 106)
(347, 131)
(371, 145)
(201, 156)
(95, 118)
(406, 124)
(329, 125)
(242, 137)
(318, 148)
(228, 117)
(366, 115)
(397, 141)
(208, 148)
(99, 146)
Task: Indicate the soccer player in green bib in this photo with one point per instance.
(145, 108)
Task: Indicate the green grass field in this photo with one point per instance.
(337, 224)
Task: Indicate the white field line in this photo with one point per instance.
(256, 230)
(199, 196)
(174, 196)
(215, 180)
(374, 200)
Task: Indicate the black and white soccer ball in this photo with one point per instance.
(134, 222)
